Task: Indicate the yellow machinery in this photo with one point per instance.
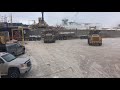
(49, 36)
(2, 40)
(4, 37)
(18, 34)
(94, 38)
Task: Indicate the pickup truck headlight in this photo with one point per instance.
(23, 65)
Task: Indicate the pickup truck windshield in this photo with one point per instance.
(8, 57)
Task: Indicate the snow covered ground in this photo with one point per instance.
(74, 59)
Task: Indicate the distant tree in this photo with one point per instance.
(65, 21)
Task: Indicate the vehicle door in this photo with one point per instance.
(12, 49)
(19, 48)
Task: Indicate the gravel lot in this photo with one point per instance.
(74, 59)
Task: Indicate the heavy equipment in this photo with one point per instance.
(12, 46)
(94, 38)
(2, 40)
(4, 37)
(49, 36)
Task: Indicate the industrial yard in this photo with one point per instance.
(74, 59)
(70, 49)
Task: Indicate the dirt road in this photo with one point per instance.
(74, 59)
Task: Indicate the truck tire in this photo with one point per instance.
(53, 41)
(65, 38)
(13, 73)
(100, 44)
(88, 41)
(23, 51)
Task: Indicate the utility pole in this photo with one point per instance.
(2, 19)
(11, 19)
(5, 18)
(23, 40)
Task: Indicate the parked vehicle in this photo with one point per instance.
(84, 37)
(12, 66)
(49, 38)
(34, 37)
(66, 35)
(13, 48)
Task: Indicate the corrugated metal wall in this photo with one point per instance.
(104, 33)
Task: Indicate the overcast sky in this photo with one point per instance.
(53, 18)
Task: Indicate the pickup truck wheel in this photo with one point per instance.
(23, 51)
(13, 73)
(53, 41)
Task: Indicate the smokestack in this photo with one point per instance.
(43, 16)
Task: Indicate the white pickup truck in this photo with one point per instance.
(12, 66)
